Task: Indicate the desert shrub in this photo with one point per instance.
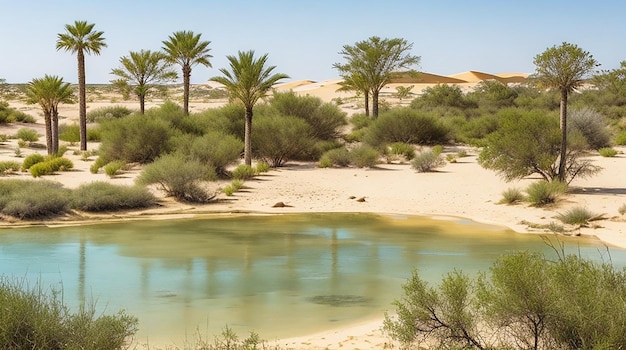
(427, 160)
(102, 114)
(622, 209)
(26, 199)
(262, 167)
(4, 138)
(180, 177)
(9, 166)
(215, 148)
(338, 156)
(69, 133)
(33, 319)
(545, 192)
(279, 139)
(99, 163)
(360, 121)
(228, 119)
(325, 119)
(476, 129)
(11, 115)
(408, 126)
(441, 95)
(113, 168)
(233, 187)
(364, 156)
(41, 169)
(243, 172)
(591, 124)
(94, 134)
(50, 166)
(32, 160)
(102, 196)
(492, 94)
(27, 134)
(607, 152)
(61, 151)
(401, 149)
(512, 196)
(136, 138)
(577, 216)
(620, 139)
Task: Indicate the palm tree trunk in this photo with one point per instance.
(563, 124)
(82, 97)
(47, 115)
(247, 150)
(367, 103)
(375, 104)
(55, 131)
(142, 103)
(186, 82)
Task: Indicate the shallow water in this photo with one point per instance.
(280, 276)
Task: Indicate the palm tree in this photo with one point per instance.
(356, 82)
(143, 70)
(564, 68)
(48, 92)
(186, 49)
(247, 81)
(80, 38)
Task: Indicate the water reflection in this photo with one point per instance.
(277, 275)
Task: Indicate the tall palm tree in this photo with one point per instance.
(247, 81)
(186, 49)
(48, 92)
(143, 70)
(80, 38)
(563, 68)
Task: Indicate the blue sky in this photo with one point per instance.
(303, 38)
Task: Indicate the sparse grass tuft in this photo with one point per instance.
(512, 196)
(113, 169)
(9, 167)
(102, 196)
(427, 161)
(243, 172)
(607, 152)
(545, 192)
(622, 209)
(577, 216)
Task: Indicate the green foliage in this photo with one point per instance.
(214, 148)
(12, 115)
(180, 177)
(233, 187)
(227, 119)
(592, 125)
(32, 319)
(401, 149)
(577, 216)
(69, 133)
(102, 114)
(476, 129)
(262, 167)
(279, 139)
(620, 139)
(99, 163)
(93, 134)
(360, 121)
(408, 126)
(27, 199)
(101, 196)
(512, 196)
(441, 95)
(9, 166)
(136, 138)
(243, 172)
(338, 156)
(113, 169)
(492, 94)
(31, 160)
(607, 152)
(28, 135)
(364, 156)
(526, 301)
(50, 166)
(325, 119)
(427, 161)
(545, 192)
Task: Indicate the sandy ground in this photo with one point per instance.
(461, 189)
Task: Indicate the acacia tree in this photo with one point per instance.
(186, 49)
(144, 70)
(375, 60)
(48, 92)
(248, 80)
(563, 68)
(81, 38)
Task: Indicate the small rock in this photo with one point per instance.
(362, 199)
(280, 205)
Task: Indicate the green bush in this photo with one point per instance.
(364, 156)
(51, 166)
(512, 196)
(69, 133)
(9, 166)
(227, 119)
(27, 199)
(99, 163)
(94, 134)
(215, 148)
(545, 192)
(102, 114)
(180, 177)
(28, 135)
(338, 156)
(279, 139)
(262, 167)
(102, 196)
(136, 138)
(620, 139)
(243, 172)
(577, 216)
(607, 152)
(113, 169)
(427, 161)
(32, 319)
(401, 149)
(360, 121)
(32, 160)
(11, 115)
(235, 186)
(591, 124)
(408, 126)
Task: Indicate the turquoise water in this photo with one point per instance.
(277, 275)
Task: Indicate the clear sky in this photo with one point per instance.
(303, 37)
